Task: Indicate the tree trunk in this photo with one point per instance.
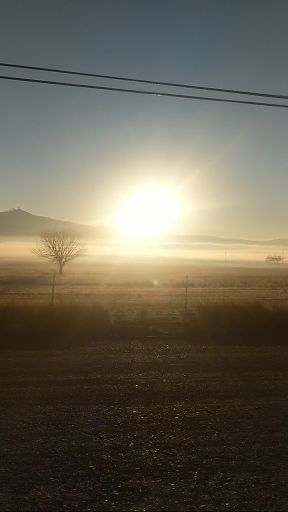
(60, 269)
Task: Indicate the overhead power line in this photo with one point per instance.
(137, 80)
(147, 93)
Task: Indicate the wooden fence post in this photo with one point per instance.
(186, 295)
(53, 287)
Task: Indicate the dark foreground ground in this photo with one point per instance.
(145, 426)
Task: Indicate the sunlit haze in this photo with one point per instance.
(149, 213)
(80, 155)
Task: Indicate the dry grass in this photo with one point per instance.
(238, 323)
(26, 325)
(225, 305)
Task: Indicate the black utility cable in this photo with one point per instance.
(134, 91)
(151, 82)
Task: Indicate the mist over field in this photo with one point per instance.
(19, 231)
(213, 253)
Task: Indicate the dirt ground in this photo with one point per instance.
(144, 425)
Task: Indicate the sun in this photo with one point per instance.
(149, 213)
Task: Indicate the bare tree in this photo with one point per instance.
(58, 247)
(274, 258)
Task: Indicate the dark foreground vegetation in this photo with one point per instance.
(144, 425)
(26, 325)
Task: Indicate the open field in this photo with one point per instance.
(225, 305)
(132, 425)
(179, 422)
(160, 286)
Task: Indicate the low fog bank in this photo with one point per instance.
(101, 250)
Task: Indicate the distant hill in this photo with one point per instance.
(17, 222)
(207, 239)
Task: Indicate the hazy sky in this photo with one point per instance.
(79, 154)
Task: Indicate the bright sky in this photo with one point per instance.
(80, 155)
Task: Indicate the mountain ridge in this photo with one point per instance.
(18, 222)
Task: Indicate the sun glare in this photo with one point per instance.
(148, 214)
